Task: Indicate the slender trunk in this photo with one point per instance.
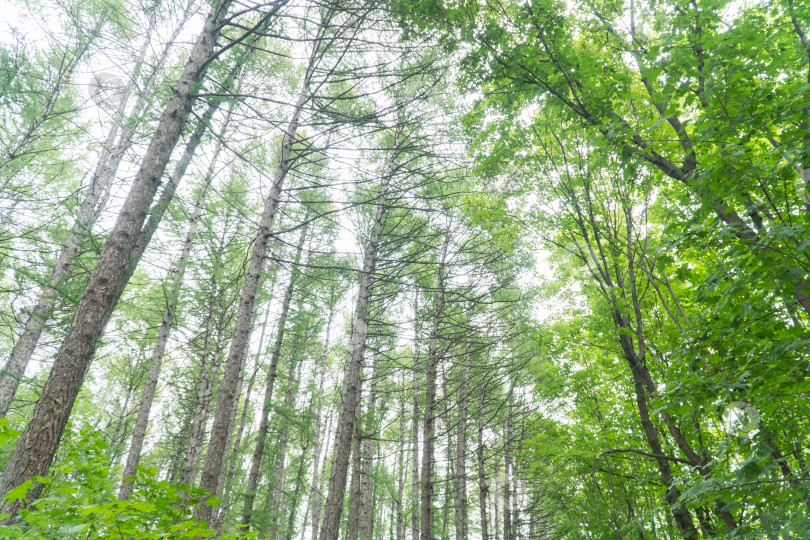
(515, 513)
(427, 492)
(294, 500)
(460, 483)
(258, 451)
(366, 525)
(315, 492)
(244, 319)
(508, 515)
(400, 531)
(122, 413)
(353, 525)
(450, 459)
(139, 432)
(278, 483)
(202, 404)
(415, 429)
(37, 446)
(237, 443)
(350, 389)
(683, 518)
(497, 508)
(320, 499)
(507, 493)
(483, 487)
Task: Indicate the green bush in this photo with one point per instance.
(79, 501)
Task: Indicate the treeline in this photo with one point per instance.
(241, 294)
(408, 269)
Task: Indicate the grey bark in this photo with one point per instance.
(289, 400)
(353, 525)
(427, 492)
(139, 431)
(350, 388)
(415, 428)
(222, 425)
(258, 451)
(237, 443)
(202, 402)
(368, 449)
(507, 486)
(320, 500)
(460, 483)
(497, 508)
(483, 487)
(38, 443)
(400, 524)
(315, 492)
(449, 492)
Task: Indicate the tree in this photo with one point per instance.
(37, 445)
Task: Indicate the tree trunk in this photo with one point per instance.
(315, 492)
(353, 525)
(319, 501)
(483, 487)
(508, 534)
(290, 395)
(497, 507)
(427, 493)
(350, 389)
(460, 483)
(139, 431)
(415, 428)
(237, 443)
(400, 531)
(258, 451)
(202, 403)
(37, 445)
(449, 482)
(366, 525)
(244, 318)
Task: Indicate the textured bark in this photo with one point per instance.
(415, 429)
(278, 483)
(400, 523)
(223, 414)
(315, 491)
(510, 450)
(318, 503)
(507, 480)
(460, 477)
(141, 423)
(38, 443)
(429, 428)
(237, 443)
(497, 508)
(368, 449)
(483, 487)
(353, 522)
(264, 415)
(350, 388)
(449, 458)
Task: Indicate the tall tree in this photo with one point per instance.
(38, 443)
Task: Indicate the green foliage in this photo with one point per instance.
(78, 500)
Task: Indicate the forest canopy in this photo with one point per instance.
(412, 269)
